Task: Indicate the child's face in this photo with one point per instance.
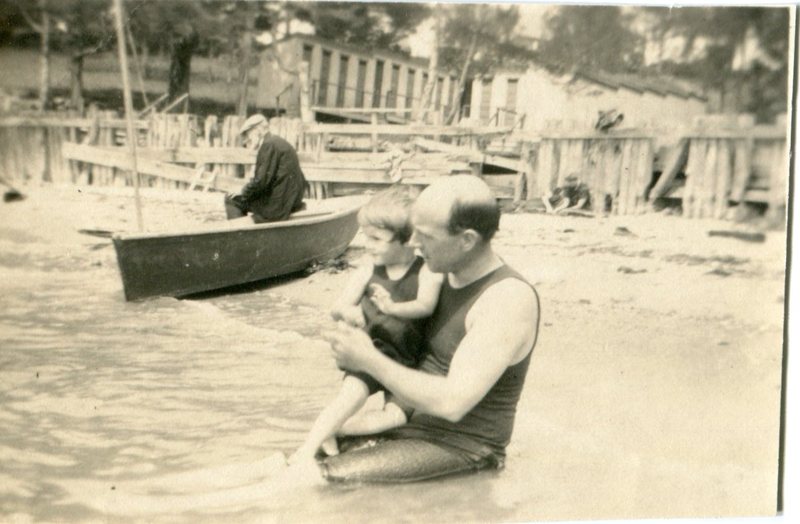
(383, 247)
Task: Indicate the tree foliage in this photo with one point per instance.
(713, 40)
(592, 37)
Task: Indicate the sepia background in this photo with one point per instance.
(655, 387)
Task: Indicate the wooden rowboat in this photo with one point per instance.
(234, 252)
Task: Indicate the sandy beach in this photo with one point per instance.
(654, 389)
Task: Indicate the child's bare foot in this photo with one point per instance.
(330, 446)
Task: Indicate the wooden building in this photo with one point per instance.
(537, 99)
(342, 76)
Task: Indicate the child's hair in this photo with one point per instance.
(390, 210)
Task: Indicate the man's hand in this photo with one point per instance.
(351, 348)
(381, 298)
(352, 315)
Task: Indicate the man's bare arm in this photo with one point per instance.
(501, 328)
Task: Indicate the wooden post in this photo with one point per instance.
(374, 122)
(709, 176)
(305, 98)
(123, 62)
(741, 169)
(544, 170)
(778, 180)
(624, 177)
(723, 183)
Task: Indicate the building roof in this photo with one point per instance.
(660, 85)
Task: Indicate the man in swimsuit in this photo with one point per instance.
(481, 337)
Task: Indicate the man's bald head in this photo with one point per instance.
(461, 202)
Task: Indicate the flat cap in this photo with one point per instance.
(252, 122)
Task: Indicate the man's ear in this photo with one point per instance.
(469, 239)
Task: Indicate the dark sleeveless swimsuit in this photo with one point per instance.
(400, 339)
(428, 446)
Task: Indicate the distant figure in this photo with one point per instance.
(389, 297)
(572, 196)
(608, 119)
(278, 183)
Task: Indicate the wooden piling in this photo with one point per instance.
(722, 185)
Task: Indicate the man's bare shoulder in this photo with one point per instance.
(507, 298)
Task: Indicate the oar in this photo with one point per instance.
(12, 195)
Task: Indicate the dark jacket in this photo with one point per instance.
(278, 184)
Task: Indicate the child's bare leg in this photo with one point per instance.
(351, 397)
(376, 420)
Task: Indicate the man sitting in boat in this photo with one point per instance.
(481, 336)
(278, 183)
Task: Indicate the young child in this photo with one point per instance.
(389, 297)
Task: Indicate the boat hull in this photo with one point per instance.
(183, 263)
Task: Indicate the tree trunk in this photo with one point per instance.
(44, 78)
(462, 79)
(76, 81)
(180, 66)
(433, 65)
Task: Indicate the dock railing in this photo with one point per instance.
(709, 173)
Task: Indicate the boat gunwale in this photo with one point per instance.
(357, 202)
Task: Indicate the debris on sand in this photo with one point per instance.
(623, 231)
(739, 235)
(337, 265)
(630, 270)
(719, 271)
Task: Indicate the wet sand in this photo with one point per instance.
(654, 389)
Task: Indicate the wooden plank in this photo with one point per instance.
(643, 171)
(595, 173)
(757, 132)
(675, 162)
(761, 196)
(646, 175)
(722, 185)
(700, 177)
(361, 110)
(612, 179)
(709, 180)
(694, 164)
(401, 130)
(624, 177)
(162, 170)
(81, 123)
(563, 161)
(742, 168)
(779, 175)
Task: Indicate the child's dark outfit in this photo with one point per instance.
(398, 338)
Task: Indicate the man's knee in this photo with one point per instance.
(234, 207)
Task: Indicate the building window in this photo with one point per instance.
(344, 60)
(449, 102)
(361, 80)
(466, 100)
(410, 87)
(438, 98)
(324, 77)
(378, 84)
(394, 86)
(308, 51)
(511, 101)
(486, 99)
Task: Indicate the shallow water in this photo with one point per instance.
(174, 410)
(103, 401)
